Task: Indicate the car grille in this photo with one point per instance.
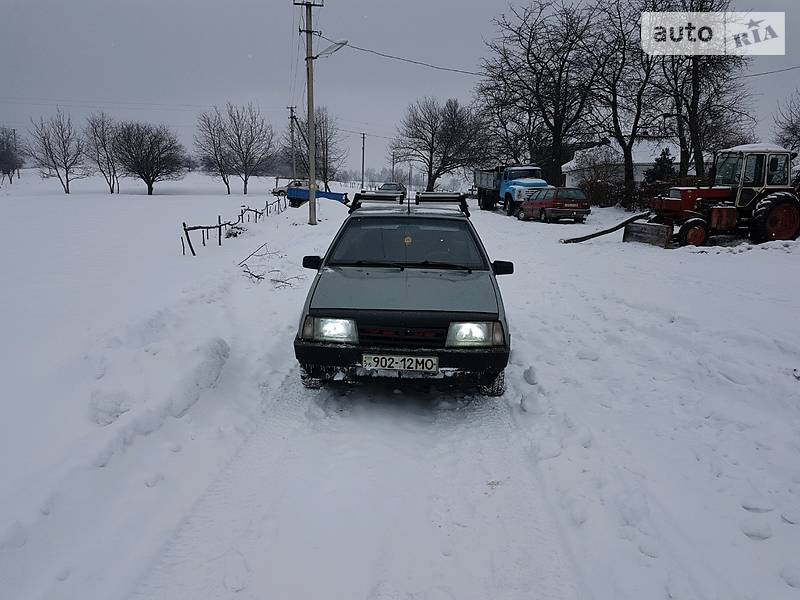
(402, 337)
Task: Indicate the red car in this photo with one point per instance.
(551, 204)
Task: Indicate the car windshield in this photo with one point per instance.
(409, 242)
(525, 174)
(729, 169)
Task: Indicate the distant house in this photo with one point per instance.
(645, 153)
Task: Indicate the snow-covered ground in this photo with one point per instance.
(156, 442)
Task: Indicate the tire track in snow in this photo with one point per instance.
(370, 494)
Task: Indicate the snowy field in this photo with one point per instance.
(156, 442)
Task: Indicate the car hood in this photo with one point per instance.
(410, 289)
(529, 182)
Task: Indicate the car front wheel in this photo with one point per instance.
(309, 382)
(496, 387)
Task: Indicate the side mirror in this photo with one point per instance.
(502, 267)
(312, 262)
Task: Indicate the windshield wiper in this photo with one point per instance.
(438, 265)
(367, 263)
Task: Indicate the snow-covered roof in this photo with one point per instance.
(756, 148)
(645, 152)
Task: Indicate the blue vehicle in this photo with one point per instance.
(507, 185)
(299, 195)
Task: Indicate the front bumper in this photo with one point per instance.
(344, 362)
(569, 213)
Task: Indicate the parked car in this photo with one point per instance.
(283, 189)
(299, 195)
(405, 292)
(552, 204)
(393, 187)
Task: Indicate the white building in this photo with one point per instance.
(645, 153)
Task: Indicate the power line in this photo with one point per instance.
(407, 60)
(465, 72)
(768, 72)
(383, 137)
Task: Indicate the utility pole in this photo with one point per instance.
(16, 150)
(363, 138)
(291, 135)
(393, 161)
(312, 142)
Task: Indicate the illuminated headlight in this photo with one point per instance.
(482, 334)
(330, 330)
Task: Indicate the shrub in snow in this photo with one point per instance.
(235, 231)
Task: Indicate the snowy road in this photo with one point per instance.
(647, 447)
(368, 494)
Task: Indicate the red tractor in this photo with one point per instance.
(752, 195)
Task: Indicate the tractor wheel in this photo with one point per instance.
(776, 217)
(509, 206)
(521, 215)
(693, 232)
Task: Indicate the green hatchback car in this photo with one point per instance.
(406, 291)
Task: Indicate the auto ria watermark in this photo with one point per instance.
(719, 33)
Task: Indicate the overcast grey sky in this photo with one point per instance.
(166, 60)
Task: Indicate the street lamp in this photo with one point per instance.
(334, 47)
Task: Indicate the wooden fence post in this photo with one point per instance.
(188, 240)
(219, 221)
(183, 246)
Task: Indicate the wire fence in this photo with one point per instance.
(230, 228)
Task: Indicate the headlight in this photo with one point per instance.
(520, 193)
(482, 334)
(330, 330)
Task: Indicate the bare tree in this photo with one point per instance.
(330, 152)
(99, 134)
(625, 88)
(786, 126)
(57, 148)
(514, 131)
(441, 137)
(601, 174)
(151, 153)
(10, 157)
(248, 139)
(704, 93)
(212, 150)
(543, 61)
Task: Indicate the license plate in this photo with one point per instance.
(571, 205)
(426, 364)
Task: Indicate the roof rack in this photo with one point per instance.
(391, 198)
(444, 198)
